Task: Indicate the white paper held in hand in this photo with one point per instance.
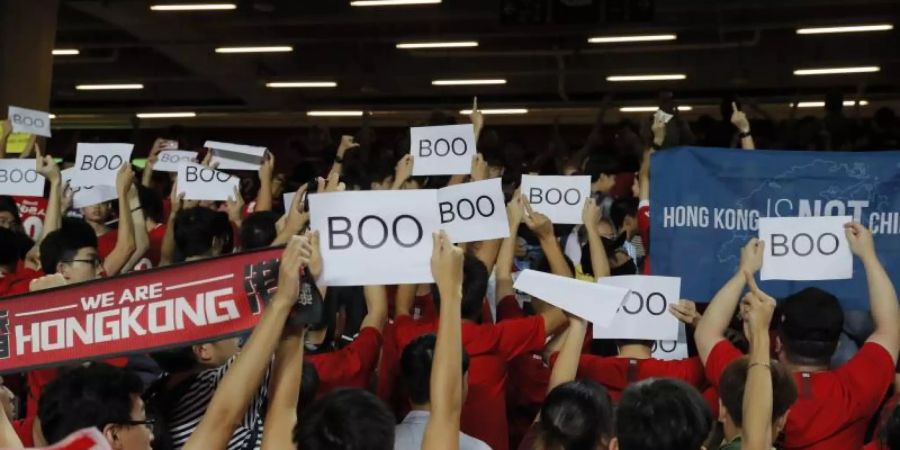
(97, 164)
(442, 150)
(560, 198)
(19, 177)
(202, 183)
(170, 160)
(375, 237)
(474, 211)
(235, 156)
(645, 313)
(590, 301)
(805, 248)
(84, 195)
(29, 121)
(671, 350)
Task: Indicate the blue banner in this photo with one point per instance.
(705, 203)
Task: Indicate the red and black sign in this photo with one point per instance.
(137, 312)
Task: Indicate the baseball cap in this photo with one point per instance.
(810, 315)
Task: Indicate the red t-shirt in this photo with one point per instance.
(106, 243)
(351, 366)
(490, 347)
(643, 219)
(615, 373)
(154, 250)
(25, 429)
(833, 408)
(22, 282)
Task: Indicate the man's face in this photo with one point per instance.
(133, 436)
(85, 266)
(7, 220)
(98, 213)
(218, 353)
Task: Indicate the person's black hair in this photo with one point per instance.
(309, 386)
(63, 244)
(14, 246)
(577, 415)
(195, 229)
(474, 288)
(151, 203)
(8, 204)
(176, 360)
(734, 379)
(543, 264)
(346, 419)
(601, 164)
(662, 414)
(92, 396)
(416, 362)
(890, 433)
(258, 230)
(809, 323)
(621, 209)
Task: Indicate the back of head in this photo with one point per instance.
(734, 378)
(93, 396)
(809, 323)
(577, 415)
(309, 386)
(662, 414)
(258, 230)
(151, 203)
(601, 164)
(891, 430)
(195, 229)
(474, 288)
(13, 247)
(346, 419)
(416, 362)
(64, 243)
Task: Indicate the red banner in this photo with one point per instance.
(86, 439)
(138, 312)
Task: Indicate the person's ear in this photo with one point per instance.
(723, 414)
(779, 344)
(781, 422)
(110, 432)
(217, 245)
(203, 352)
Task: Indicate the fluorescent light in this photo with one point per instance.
(52, 116)
(334, 113)
(497, 111)
(165, 115)
(65, 51)
(636, 38)
(194, 7)
(467, 82)
(836, 70)
(819, 104)
(264, 49)
(301, 84)
(641, 109)
(846, 29)
(656, 77)
(109, 87)
(419, 45)
(393, 2)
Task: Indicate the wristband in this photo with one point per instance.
(744, 135)
(135, 209)
(338, 160)
(656, 146)
(752, 365)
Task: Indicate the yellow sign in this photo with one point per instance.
(16, 142)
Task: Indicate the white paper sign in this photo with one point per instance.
(672, 350)
(590, 301)
(443, 150)
(202, 183)
(375, 237)
(29, 121)
(473, 211)
(561, 198)
(235, 156)
(84, 195)
(170, 160)
(805, 248)
(645, 314)
(19, 177)
(97, 164)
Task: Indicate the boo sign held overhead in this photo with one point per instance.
(706, 203)
(443, 150)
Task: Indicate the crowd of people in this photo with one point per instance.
(464, 362)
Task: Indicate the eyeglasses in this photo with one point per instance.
(96, 261)
(146, 422)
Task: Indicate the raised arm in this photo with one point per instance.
(882, 296)
(347, 143)
(284, 392)
(47, 167)
(152, 158)
(644, 176)
(514, 212)
(477, 119)
(758, 308)
(442, 431)
(376, 304)
(402, 172)
(125, 245)
(296, 219)
(264, 194)
(566, 367)
(167, 250)
(711, 327)
(541, 226)
(139, 229)
(591, 216)
(739, 120)
(232, 397)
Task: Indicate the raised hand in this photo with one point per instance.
(296, 217)
(124, 179)
(515, 209)
(658, 128)
(292, 262)
(757, 309)
(686, 312)
(331, 184)
(176, 199)
(479, 168)
(347, 143)
(446, 264)
(476, 117)
(312, 254)
(235, 205)
(860, 240)
(403, 171)
(739, 119)
(267, 166)
(590, 214)
(47, 166)
(752, 256)
(538, 223)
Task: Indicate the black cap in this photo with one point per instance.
(810, 315)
